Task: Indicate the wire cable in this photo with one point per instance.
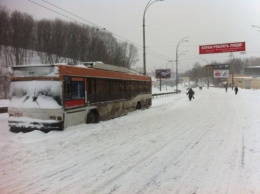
(136, 44)
(139, 47)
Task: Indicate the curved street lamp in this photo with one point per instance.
(177, 56)
(146, 7)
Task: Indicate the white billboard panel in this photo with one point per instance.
(221, 73)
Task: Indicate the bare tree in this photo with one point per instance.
(4, 27)
(4, 82)
(22, 35)
(238, 65)
(132, 55)
(253, 61)
(5, 37)
(58, 40)
(84, 39)
(44, 41)
(73, 40)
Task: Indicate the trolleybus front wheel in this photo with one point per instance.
(138, 106)
(92, 117)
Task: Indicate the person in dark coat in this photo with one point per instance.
(226, 86)
(236, 90)
(190, 93)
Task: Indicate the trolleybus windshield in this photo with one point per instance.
(36, 94)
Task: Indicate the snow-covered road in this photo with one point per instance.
(208, 145)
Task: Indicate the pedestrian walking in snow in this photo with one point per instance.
(190, 93)
(236, 90)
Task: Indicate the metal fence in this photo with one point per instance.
(164, 94)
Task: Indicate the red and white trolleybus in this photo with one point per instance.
(54, 97)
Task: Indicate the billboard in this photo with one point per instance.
(221, 66)
(219, 73)
(162, 73)
(222, 48)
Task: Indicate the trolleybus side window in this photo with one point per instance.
(91, 90)
(77, 90)
(117, 89)
(123, 89)
(135, 88)
(74, 91)
(102, 90)
(141, 87)
(147, 87)
(128, 89)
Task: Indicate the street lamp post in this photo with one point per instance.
(233, 69)
(166, 68)
(144, 54)
(177, 56)
(189, 74)
(207, 67)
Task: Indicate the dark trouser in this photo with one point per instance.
(190, 97)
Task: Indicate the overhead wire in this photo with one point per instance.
(120, 38)
(153, 52)
(53, 11)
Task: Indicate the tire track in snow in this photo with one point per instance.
(142, 163)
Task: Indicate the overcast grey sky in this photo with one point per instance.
(167, 22)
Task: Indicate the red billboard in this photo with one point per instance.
(223, 48)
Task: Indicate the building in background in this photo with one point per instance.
(249, 80)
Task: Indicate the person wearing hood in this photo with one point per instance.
(236, 90)
(190, 93)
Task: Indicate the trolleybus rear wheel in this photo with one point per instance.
(138, 106)
(92, 117)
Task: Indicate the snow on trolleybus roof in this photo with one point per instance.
(89, 68)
